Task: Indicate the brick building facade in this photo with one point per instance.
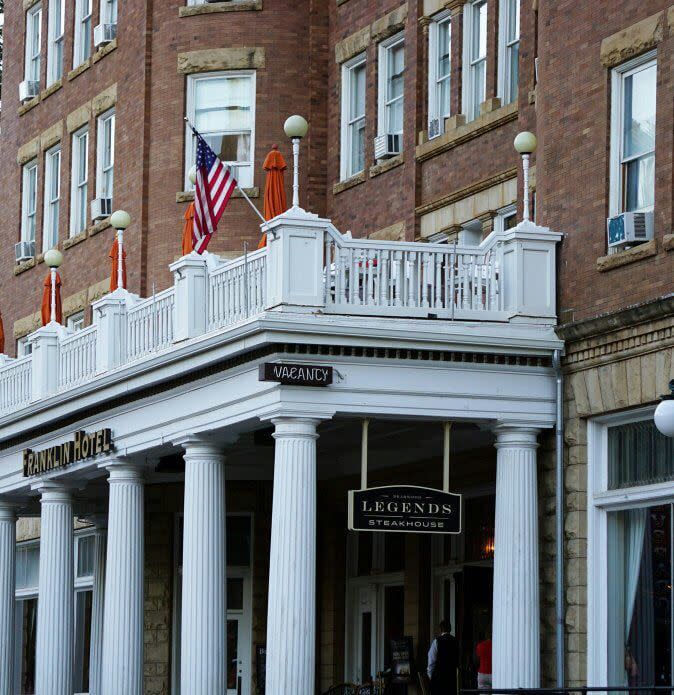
(344, 65)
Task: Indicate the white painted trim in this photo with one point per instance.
(615, 135)
(469, 12)
(83, 9)
(346, 141)
(30, 14)
(382, 69)
(190, 149)
(49, 173)
(503, 62)
(56, 33)
(433, 31)
(76, 225)
(27, 170)
(100, 148)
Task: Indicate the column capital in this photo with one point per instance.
(199, 446)
(513, 435)
(293, 426)
(123, 470)
(53, 491)
(8, 510)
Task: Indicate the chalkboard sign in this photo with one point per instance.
(261, 668)
(401, 660)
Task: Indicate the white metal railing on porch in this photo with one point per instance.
(15, 383)
(237, 290)
(367, 276)
(150, 324)
(77, 357)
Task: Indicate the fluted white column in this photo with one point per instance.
(516, 629)
(203, 644)
(291, 624)
(123, 613)
(7, 569)
(55, 630)
(98, 605)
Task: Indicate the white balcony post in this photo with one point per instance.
(110, 316)
(528, 271)
(203, 646)
(516, 609)
(123, 614)
(291, 623)
(45, 356)
(7, 587)
(55, 629)
(98, 603)
(191, 286)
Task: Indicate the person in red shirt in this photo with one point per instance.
(483, 653)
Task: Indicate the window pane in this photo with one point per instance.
(638, 454)
(222, 103)
(479, 72)
(235, 594)
(232, 653)
(479, 42)
(394, 552)
(238, 541)
(357, 92)
(27, 567)
(639, 596)
(396, 67)
(514, 52)
(513, 20)
(26, 635)
(639, 183)
(639, 112)
(357, 146)
(444, 48)
(230, 148)
(85, 555)
(480, 515)
(83, 602)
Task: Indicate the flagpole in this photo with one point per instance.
(243, 193)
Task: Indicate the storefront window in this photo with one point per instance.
(639, 455)
(640, 596)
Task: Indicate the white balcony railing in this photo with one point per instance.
(307, 268)
(15, 384)
(150, 325)
(77, 358)
(237, 290)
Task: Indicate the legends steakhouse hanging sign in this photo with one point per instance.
(84, 445)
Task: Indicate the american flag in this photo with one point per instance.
(214, 187)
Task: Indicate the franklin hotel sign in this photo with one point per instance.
(84, 445)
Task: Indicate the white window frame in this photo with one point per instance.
(81, 584)
(29, 207)
(33, 60)
(52, 204)
(22, 595)
(505, 48)
(23, 347)
(79, 183)
(433, 79)
(602, 501)
(383, 105)
(502, 215)
(102, 166)
(56, 38)
(75, 322)
(618, 76)
(348, 123)
(471, 110)
(82, 40)
(108, 12)
(190, 140)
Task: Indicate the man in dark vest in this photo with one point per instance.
(443, 661)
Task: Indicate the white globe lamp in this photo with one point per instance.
(664, 413)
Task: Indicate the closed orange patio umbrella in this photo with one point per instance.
(114, 257)
(46, 300)
(274, 190)
(188, 239)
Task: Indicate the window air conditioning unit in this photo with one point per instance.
(104, 34)
(629, 228)
(387, 145)
(101, 208)
(24, 251)
(436, 126)
(28, 89)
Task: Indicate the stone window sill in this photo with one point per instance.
(51, 89)
(668, 242)
(188, 196)
(457, 131)
(214, 7)
(633, 255)
(74, 240)
(386, 165)
(99, 227)
(104, 51)
(352, 181)
(24, 266)
(28, 105)
(79, 69)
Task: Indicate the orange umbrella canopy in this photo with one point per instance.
(274, 190)
(188, 240)
(114, 256)
(46, 300)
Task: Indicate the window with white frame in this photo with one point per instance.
(353, 116)
(391, 85)
(82, 42)
(109, 11)
(630, 551)
(508, 50)
(56, 37)
(75, 322)
(33, 41)
(26, 607)
(474, 57)
(105, 155)
(506, 218)
(633, 109)
(52, 198)
(23, 347)
(222, 108)
(29, 201)
(439, 66)
(79, 182)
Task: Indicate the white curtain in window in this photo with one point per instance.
(222, 104)
(636, 529)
